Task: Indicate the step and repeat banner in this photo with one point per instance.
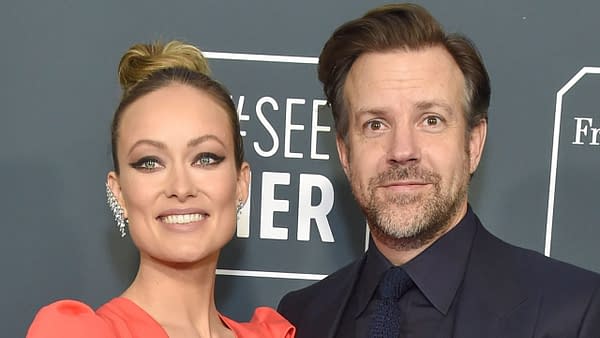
(537, 186)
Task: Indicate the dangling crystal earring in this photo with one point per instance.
(117, 211)
(238, 209)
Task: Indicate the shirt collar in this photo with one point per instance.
(374, 267)
(445, 260)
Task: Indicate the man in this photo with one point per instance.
(410, 108)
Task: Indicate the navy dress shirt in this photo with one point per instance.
(427, 309)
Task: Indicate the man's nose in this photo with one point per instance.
(403, 146)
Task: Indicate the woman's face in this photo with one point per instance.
(178, 182)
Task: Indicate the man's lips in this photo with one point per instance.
(408, 185)
(404, 183)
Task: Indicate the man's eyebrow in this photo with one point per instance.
(370, 111)
(426, 105)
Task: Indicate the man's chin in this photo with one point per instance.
(405, 213)
(405, 230)
(408, 239)
(403, 200)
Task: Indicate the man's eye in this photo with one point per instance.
(374, 125)
(432, 121)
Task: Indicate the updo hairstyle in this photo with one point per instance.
(145, 68)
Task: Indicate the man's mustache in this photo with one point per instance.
(404, 173)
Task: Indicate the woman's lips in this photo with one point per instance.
(182, 219)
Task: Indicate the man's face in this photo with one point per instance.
(408, 157)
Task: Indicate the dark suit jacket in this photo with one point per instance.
(506, 292)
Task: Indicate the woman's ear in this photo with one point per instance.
(112, 181)
(243, 182)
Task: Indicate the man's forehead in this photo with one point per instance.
(430, 76)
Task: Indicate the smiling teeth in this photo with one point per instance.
(182, 219)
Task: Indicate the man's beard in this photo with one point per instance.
(411, 220)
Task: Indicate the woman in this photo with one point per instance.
(178, 183)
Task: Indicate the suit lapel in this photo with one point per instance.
(332, 311)
(494, 300)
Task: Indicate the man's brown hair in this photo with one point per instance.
(399, 27)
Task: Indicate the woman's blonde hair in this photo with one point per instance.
(142, 60)
(145, 68)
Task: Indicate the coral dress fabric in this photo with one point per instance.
(121, 318)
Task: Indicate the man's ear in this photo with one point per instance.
(342, 149)
(112, 179)
(476, 144)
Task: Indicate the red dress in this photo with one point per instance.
(121, 318)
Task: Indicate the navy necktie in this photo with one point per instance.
(385, 321)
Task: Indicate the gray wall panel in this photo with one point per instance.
(59, 90)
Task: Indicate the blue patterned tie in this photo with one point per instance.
(385, 321)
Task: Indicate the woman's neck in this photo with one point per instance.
(180, 297)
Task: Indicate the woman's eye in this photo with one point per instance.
(147, 164)
(207, 159)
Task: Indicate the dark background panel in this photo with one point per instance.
(59, 90)
(575, 233)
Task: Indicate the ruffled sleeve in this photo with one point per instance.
(265, 323)
(68, 319)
